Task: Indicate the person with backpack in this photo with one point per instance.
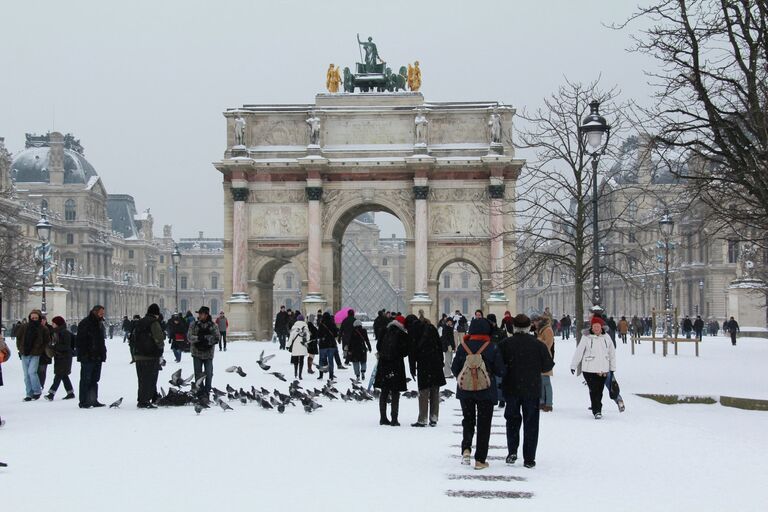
(62, 347)
(177, 333)
(526, 359)
(391, 350)
(476, 365)
(203, 335)
(147, 343)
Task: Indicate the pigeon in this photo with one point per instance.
(3, 465)
(243, 400)
(262, 360)
(281, 408)
(233, 369)
(279, 376)
(230, 389)
(177, 381)
(224, 405)
(265, 404)
(162, 392)
(116, 403)
(447, 393)
(217, 393)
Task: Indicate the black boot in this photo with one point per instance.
(395, 408)
(383, 409)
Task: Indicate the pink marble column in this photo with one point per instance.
(314, 239)
(420, 272)
(239, 243)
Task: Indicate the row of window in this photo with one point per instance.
(70, 210)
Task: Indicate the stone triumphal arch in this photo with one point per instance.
(296, 175)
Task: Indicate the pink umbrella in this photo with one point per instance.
(341, 315)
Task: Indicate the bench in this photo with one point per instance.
(664, 342)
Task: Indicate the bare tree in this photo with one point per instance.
(554, 230)
(712, 103)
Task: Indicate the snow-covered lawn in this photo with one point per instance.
(652, 457)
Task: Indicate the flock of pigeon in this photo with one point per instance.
(269, 400)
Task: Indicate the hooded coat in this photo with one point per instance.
(298, 339)
(392, 349)
(427, 359)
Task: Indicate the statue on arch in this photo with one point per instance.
(314, 128)
(333, 78)
(371, 53)
(421, 127)
(240, 125)
(495, 123)
(414, 77)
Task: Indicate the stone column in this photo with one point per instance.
(314, 299)
(421, 299)
(239, 244)
(497, 301)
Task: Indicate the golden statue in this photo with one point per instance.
(414, 77)
(332, 79)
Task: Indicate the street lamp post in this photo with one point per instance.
(562, 290)
(666, 227)
(701, 297)
(592, 128)
(43, 229)
(127, 281)
(176, 257)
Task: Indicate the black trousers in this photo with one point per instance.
(90, 374)
(480, 413)
(595, 383)
(733, 337)
(147, 372)
(58, 380)
(385, 393)
(529, 419)
(223, 340)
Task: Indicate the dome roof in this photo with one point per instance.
(31, 166)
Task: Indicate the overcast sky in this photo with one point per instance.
(143, 84)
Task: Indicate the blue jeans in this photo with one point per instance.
(546, 391)
(90, 373)
(357, 366)
(326, 358)
(177, 354)
(30, 365)
(530, 422)
(203, 365)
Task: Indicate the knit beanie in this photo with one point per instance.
(479, 326)
(58, 321)
(153, 309)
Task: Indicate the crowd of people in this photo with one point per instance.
(507, 364)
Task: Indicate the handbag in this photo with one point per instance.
(614, 390)
(5, 351)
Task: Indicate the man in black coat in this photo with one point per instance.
(526, 358)
(281, 327)
(391, 349)
(346, 329)
(426, 364)
(698, 327)
(91, 353)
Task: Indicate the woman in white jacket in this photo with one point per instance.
(595, 356)
(297, 344)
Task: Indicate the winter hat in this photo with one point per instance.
(153, 309)
(204, 309)
(299, 317)
(597, 320)
(521, 321)
(491, 318)
(479, 326)
(400, 319)
(59, 321)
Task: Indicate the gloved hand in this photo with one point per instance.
(573, 372)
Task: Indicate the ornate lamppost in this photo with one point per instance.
(562, 290)
(592, 128)
(176, 257)
(127, 281)
(43, 229)
(666, 227)
(701, 298)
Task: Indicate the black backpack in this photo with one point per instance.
(142, 343)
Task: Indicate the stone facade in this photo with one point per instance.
(365, 161)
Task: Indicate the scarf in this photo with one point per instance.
(33, 331)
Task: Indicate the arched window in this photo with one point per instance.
(70, 211)
(446, 280)
(214, 281)
(465, 281)
(447, 306)
(288, 281)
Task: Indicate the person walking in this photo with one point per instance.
(222, 323)
(476, 388)
(298, 339)
(506, 323)
(203, 335)
(565, 327)
(637, 329)
(126, 327)
(281, 326)
(31, 340)
(346, 329)
(391, 350)
(459, 327)
(687, 327)
(327, 332)
(177, 333)
(595, 356)
(731, 326)
(526, 359)
(147, 345)
(623, 328)
(62, 345)
(448, 345)
(426, 365)
(546, 335)
(698, 327)
(91, 353)
(358, 347)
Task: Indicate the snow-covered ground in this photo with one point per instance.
(652, 457)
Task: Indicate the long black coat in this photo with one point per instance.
(426, 360)
(358, 345)
(91, 346)
(526, 358)
(63, 347)
(392, 349)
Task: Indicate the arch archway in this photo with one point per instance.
(264, 269)
(465, 290)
